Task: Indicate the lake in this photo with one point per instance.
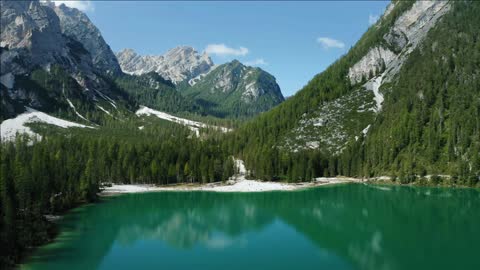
(352, 226)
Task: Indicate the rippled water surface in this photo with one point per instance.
(338, 227)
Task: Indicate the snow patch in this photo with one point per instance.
(109, 100)
(10, 127)
(75, 110)
(101, 108)
(312, 145)
(198, 78)
(192, 125)
(374, 85)
(240, 167)
(365, 130)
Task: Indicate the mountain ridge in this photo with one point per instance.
(356, 118)
(178, 64)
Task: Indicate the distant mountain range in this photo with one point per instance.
(404, 100)
(55, 60)
(178, 64)
(230, 89)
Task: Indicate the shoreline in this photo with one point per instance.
(241, 185)
(238, 185)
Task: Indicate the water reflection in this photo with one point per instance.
(349, 227)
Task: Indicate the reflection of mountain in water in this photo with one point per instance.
(371, 228)
(183, 220)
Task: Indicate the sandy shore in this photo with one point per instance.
(239, 185)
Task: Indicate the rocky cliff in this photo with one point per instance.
(178, 64)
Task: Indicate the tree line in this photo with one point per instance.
(61, 171)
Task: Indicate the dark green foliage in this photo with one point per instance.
(430, 122)
(67, 167)
(49, 91)
(230, 100)
(9, 107)
(429, 125)
(266, 130)
(431, 117)
(153, 91)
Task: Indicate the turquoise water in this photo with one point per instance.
(338, 227)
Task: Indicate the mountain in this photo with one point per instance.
(178, 64)
(29, 28)
(152, 90)
(77, 25)
(56, 61)
(233, 89)
(228, 90)
(49, 69)
(404, 101)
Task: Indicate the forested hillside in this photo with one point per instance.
(235, 90)
(413, 111)
(429, 122)
(67, 167)
(153, 91)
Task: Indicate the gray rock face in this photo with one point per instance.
(77, 25)
(329, 127)
(32, 38)
(396, 39)
(236, 82)
(30, 27)
(407, 32)
(372, 63)
(178, 64)
(251, 82)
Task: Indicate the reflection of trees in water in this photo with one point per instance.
(183, 221)
(390, 228)
(387, 228)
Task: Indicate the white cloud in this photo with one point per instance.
(328, 43)
(223, 50)
(257, 62)
(372, 19)
(85, 5)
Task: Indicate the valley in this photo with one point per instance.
(386, 137)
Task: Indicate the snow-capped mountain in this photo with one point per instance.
(178, 64)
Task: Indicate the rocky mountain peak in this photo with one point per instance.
(28, 26)
(178, 64)
(235, 88)
(78, 26)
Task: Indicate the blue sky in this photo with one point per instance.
(291, 40)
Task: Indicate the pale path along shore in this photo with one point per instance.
(240, 185)
(237, 183)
